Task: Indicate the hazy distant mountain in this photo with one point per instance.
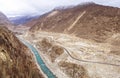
(90, 21)
(21, 19)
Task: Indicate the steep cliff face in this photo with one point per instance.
(89, 21)
(16, 61)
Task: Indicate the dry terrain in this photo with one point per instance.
(73, 57)
(79, 41)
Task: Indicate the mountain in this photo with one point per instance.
(16, 61)
(4, 21)
(79, 41)
(89, 21)
(17, 20)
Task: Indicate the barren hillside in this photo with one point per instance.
(89, 21)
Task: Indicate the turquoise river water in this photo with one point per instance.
(40, 62)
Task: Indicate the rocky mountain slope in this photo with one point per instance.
(89, 21)
(16, 61)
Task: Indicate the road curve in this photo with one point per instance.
(88, 60)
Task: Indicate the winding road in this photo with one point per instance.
(88, 60)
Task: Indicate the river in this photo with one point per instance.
(40, 62)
